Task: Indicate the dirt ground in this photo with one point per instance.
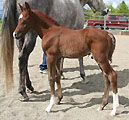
(80, 101)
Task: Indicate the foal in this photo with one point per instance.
(59, 41)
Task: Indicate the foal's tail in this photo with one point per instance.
(7, 42)
(112, 46)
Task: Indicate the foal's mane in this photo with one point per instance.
(45, 17)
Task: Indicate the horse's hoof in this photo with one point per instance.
(24, 99)
(99, 109)
(113, 113)
(30, 91)
(85, 80)
(62, 77)
(48, 110)
(31, 88)
(57, 102)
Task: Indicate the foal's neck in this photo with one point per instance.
(43, 23)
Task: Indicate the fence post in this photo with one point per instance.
(105, 22)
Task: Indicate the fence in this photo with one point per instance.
(116, 21)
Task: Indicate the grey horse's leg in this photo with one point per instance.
(61, 68)
(28, 82)
(27, 48)
(82, 73)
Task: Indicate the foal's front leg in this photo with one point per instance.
(51, 75)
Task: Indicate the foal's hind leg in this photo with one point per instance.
(112, 77)
(58, 77)
(106, 93)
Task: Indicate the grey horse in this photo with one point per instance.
(66, 12)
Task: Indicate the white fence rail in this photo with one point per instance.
(106, 21)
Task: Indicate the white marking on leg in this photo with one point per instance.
(115, 103)
(52, 102)
(21, 16)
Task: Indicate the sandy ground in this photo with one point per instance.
(80, 100)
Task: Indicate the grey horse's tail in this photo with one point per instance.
(9, 22)
(112, 47)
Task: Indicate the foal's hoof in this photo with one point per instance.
(99, 108)
(48, 109)
(57, 102)
(113, 113)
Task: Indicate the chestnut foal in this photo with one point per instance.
(59, 41)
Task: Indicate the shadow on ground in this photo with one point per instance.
(96, 84)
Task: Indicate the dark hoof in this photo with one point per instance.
(31, 88)
(24, 95)
(84, 79)
(58, 102)
(62, 77)
(24, 99)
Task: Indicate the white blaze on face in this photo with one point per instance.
(21, 16)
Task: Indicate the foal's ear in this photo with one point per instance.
(27, 6)
(21, 7)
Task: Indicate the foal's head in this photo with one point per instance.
(25, 21)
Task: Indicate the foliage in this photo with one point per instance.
(0, 24)
(122, 8)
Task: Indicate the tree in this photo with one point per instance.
(111, 8)
(123, 8)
